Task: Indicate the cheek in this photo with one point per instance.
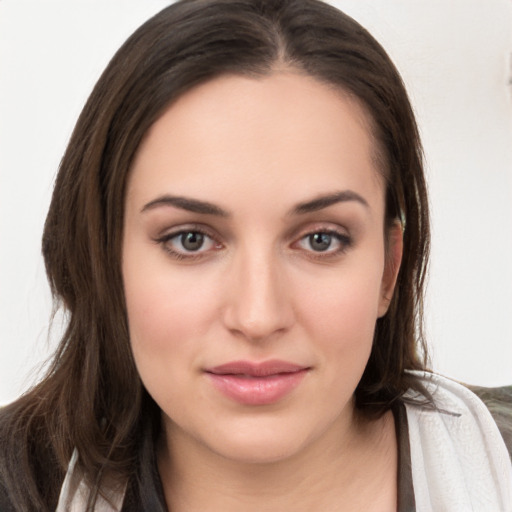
(168, 317)
(341, 313)
(167, 332)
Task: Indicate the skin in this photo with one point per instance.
(258, 289)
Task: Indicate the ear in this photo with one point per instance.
(393, 256)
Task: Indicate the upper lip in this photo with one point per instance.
(256, 369)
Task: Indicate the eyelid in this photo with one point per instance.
(186, 227)
(319, 227)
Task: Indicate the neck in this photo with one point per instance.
(346, 469)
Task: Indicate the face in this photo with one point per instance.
(254, 264)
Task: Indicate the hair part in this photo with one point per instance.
(91, 398)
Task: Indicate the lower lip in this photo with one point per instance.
(257, 390)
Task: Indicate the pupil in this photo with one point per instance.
(192, 241)
(320, 241)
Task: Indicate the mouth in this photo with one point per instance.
(262, 383)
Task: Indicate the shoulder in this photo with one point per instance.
(499, 403)
(6, 502)
(486, 408)
(6, 505)
(473, 401)
(29, 470)
(458, 454)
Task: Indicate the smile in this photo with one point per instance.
(257, 383)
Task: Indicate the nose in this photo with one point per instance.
(258, 306)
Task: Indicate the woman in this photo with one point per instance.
(239, 232)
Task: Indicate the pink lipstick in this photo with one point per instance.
(257, 383)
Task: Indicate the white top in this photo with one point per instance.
(459, 459)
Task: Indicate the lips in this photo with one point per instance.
(251, 383)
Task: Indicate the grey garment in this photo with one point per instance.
(499, 403)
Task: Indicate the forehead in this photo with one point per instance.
(285, 131)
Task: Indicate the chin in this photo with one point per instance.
(260, 451)
(259, 443)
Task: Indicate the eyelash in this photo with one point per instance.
(344, 241)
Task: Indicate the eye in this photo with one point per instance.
(328, 242)
(188, 243)
(191, 241)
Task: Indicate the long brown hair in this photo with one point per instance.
(91, 398)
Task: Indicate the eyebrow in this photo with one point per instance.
(185, 203)
(206, 208)
(325, 201)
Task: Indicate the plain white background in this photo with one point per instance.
(456, 59)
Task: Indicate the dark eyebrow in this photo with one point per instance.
(185, 203)
(319, 203)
